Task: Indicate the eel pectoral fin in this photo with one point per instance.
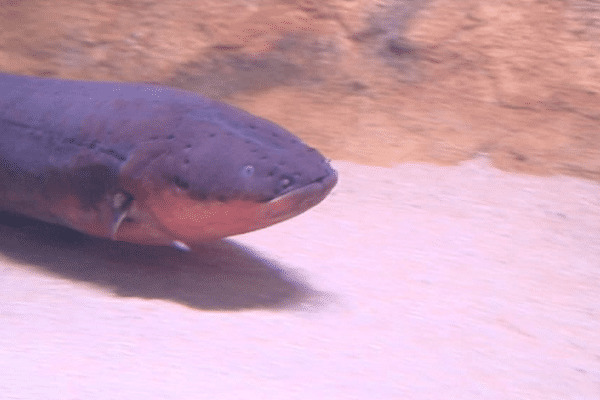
(121, 203)
(130, 221)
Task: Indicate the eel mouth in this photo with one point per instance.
(298, 201)
(175, 217)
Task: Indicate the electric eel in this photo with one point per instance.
(148, 164)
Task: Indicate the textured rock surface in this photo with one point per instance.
(372, 81)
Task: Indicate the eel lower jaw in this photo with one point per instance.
(299, 200)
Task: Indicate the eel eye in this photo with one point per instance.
(285, 182)
(248, 171)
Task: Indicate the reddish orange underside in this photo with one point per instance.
(188, 219)
(172, 215)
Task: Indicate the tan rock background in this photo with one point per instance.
(373, 81)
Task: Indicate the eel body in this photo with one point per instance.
(148, 164)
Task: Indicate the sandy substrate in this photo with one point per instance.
(417, 282)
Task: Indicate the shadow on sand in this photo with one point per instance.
(219, 276)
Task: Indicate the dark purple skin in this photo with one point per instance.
(84, 142)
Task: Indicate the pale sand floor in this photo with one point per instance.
(418, 282)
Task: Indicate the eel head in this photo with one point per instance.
(207, 179)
